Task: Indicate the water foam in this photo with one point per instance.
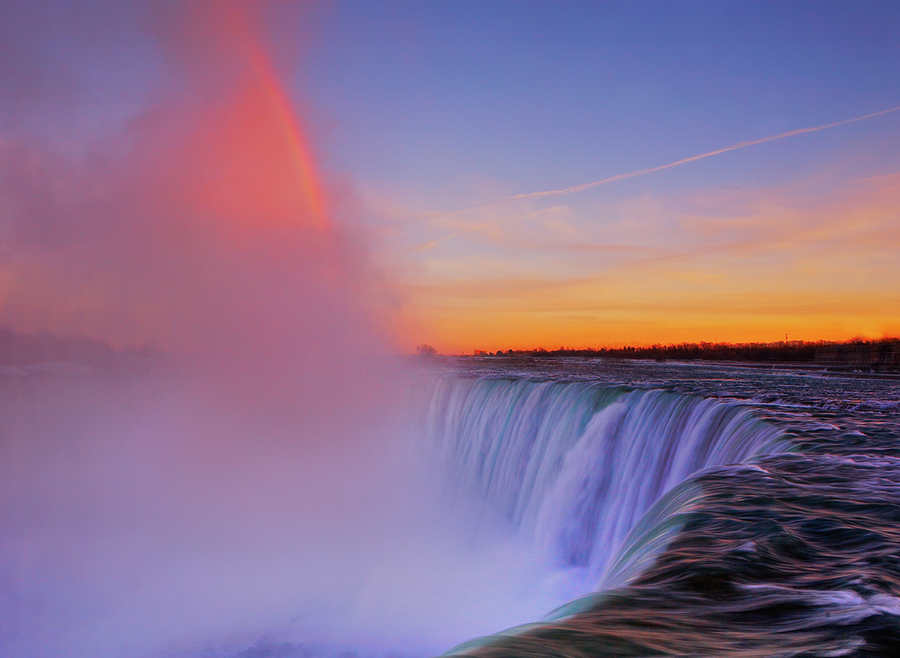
(571, 467)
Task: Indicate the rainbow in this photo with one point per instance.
(287, 120)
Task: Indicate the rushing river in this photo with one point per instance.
(713, 510)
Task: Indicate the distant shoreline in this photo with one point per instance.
(852, 357)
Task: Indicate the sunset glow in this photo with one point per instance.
(718, 265)
(508, 199)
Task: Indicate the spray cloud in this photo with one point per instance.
(159, 510)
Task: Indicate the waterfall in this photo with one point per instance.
(571, 466)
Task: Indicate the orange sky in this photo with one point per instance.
(812, 260)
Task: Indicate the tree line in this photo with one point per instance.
(782, 351)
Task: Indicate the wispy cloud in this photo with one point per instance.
(627, 175)
(430, 244)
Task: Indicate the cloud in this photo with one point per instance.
(625, 176)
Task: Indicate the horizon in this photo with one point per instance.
(424, 349)
(90, 347)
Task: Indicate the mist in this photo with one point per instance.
(245, 482)
(153, 509)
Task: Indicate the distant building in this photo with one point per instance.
(872, 355)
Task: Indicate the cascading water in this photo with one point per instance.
(571, 466)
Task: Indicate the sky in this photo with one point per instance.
(427, 132)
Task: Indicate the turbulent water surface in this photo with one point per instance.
(762, 512)
(590, 507)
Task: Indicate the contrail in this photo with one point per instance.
(733, 147)
(637, 172)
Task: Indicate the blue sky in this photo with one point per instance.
(543, 95)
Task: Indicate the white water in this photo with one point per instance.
(570, 467)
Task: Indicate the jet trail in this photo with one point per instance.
(633, 174)
(733, 147)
